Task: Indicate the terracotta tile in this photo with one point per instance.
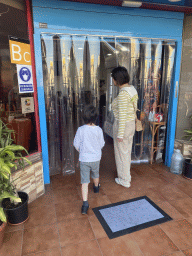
(98, 230)
(52, 252)
(75, 231)
(160, 168)
(46, 199)
(142, 183)
(154, 241)
(122, 246)
(153, 181)
(180, 232)
(185, 186)
(35, 216)
(126, 196)
(108, 177)
(12, 228)
(144, 170)
(176, 254)
(90, 248)
(12, 244)
(171, 192)
(66, 194)
(188, 252)
(172, 178)
(170, 210)
(61, 181)
(96, 202)
(189, 219)
(72, 210)
(111, 188)
(184, 206)
(40, 238)
(152, 194)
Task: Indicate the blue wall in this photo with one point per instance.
(79, 18)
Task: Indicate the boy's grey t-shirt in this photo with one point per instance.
(89, 141)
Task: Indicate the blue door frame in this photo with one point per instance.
(105, 20)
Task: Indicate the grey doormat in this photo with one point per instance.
(129, 216)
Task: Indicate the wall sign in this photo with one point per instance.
(25, 79)
(20, 51)
(27, 105)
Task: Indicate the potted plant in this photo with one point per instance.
(10, 157)
(187, 167)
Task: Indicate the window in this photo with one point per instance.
(13, 23)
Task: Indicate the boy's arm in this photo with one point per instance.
(102, 141)
(76, 142)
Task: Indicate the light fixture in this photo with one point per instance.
(131, 4)
(174, 0)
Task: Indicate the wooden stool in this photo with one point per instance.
(154, 128)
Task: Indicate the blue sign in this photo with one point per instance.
(25, 74)
(25, 80)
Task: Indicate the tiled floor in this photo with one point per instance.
(56, 226)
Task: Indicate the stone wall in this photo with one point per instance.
(184, 110)
(30, 180)
(185, 147)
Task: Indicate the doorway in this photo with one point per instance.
(77, 71)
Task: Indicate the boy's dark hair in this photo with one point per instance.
(89, 114)
(120, 75)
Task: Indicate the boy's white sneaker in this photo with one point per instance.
(120, 183)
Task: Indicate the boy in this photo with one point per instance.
(88, 142)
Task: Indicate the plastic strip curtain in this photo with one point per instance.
(72, 69)
(71, 73)
(66, 105)
(167, 75)
(150, 64)
(51, 100)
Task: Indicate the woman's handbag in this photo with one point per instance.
(108, 124)
(138, 125)
(108, 128)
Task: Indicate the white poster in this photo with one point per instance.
(25, 78)
(27, 105)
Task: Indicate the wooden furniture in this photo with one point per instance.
(22, 128)
(154, 131)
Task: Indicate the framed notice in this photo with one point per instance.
(25, 79)
(27, 105)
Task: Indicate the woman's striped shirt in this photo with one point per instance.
(123, 109)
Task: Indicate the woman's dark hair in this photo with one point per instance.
(120, 75)
(89, 114)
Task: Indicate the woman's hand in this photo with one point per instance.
(119, 139)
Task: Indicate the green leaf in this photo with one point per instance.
(27, 160)
(10, 153)
(9, 195)
(4, 175)
(2, 215)
(6, 169)
(11, 165)
(15, 148)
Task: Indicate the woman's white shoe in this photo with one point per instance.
(120, 183)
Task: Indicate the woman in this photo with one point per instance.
(124, 108)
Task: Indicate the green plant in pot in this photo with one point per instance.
(187, 168)
(10, 158)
